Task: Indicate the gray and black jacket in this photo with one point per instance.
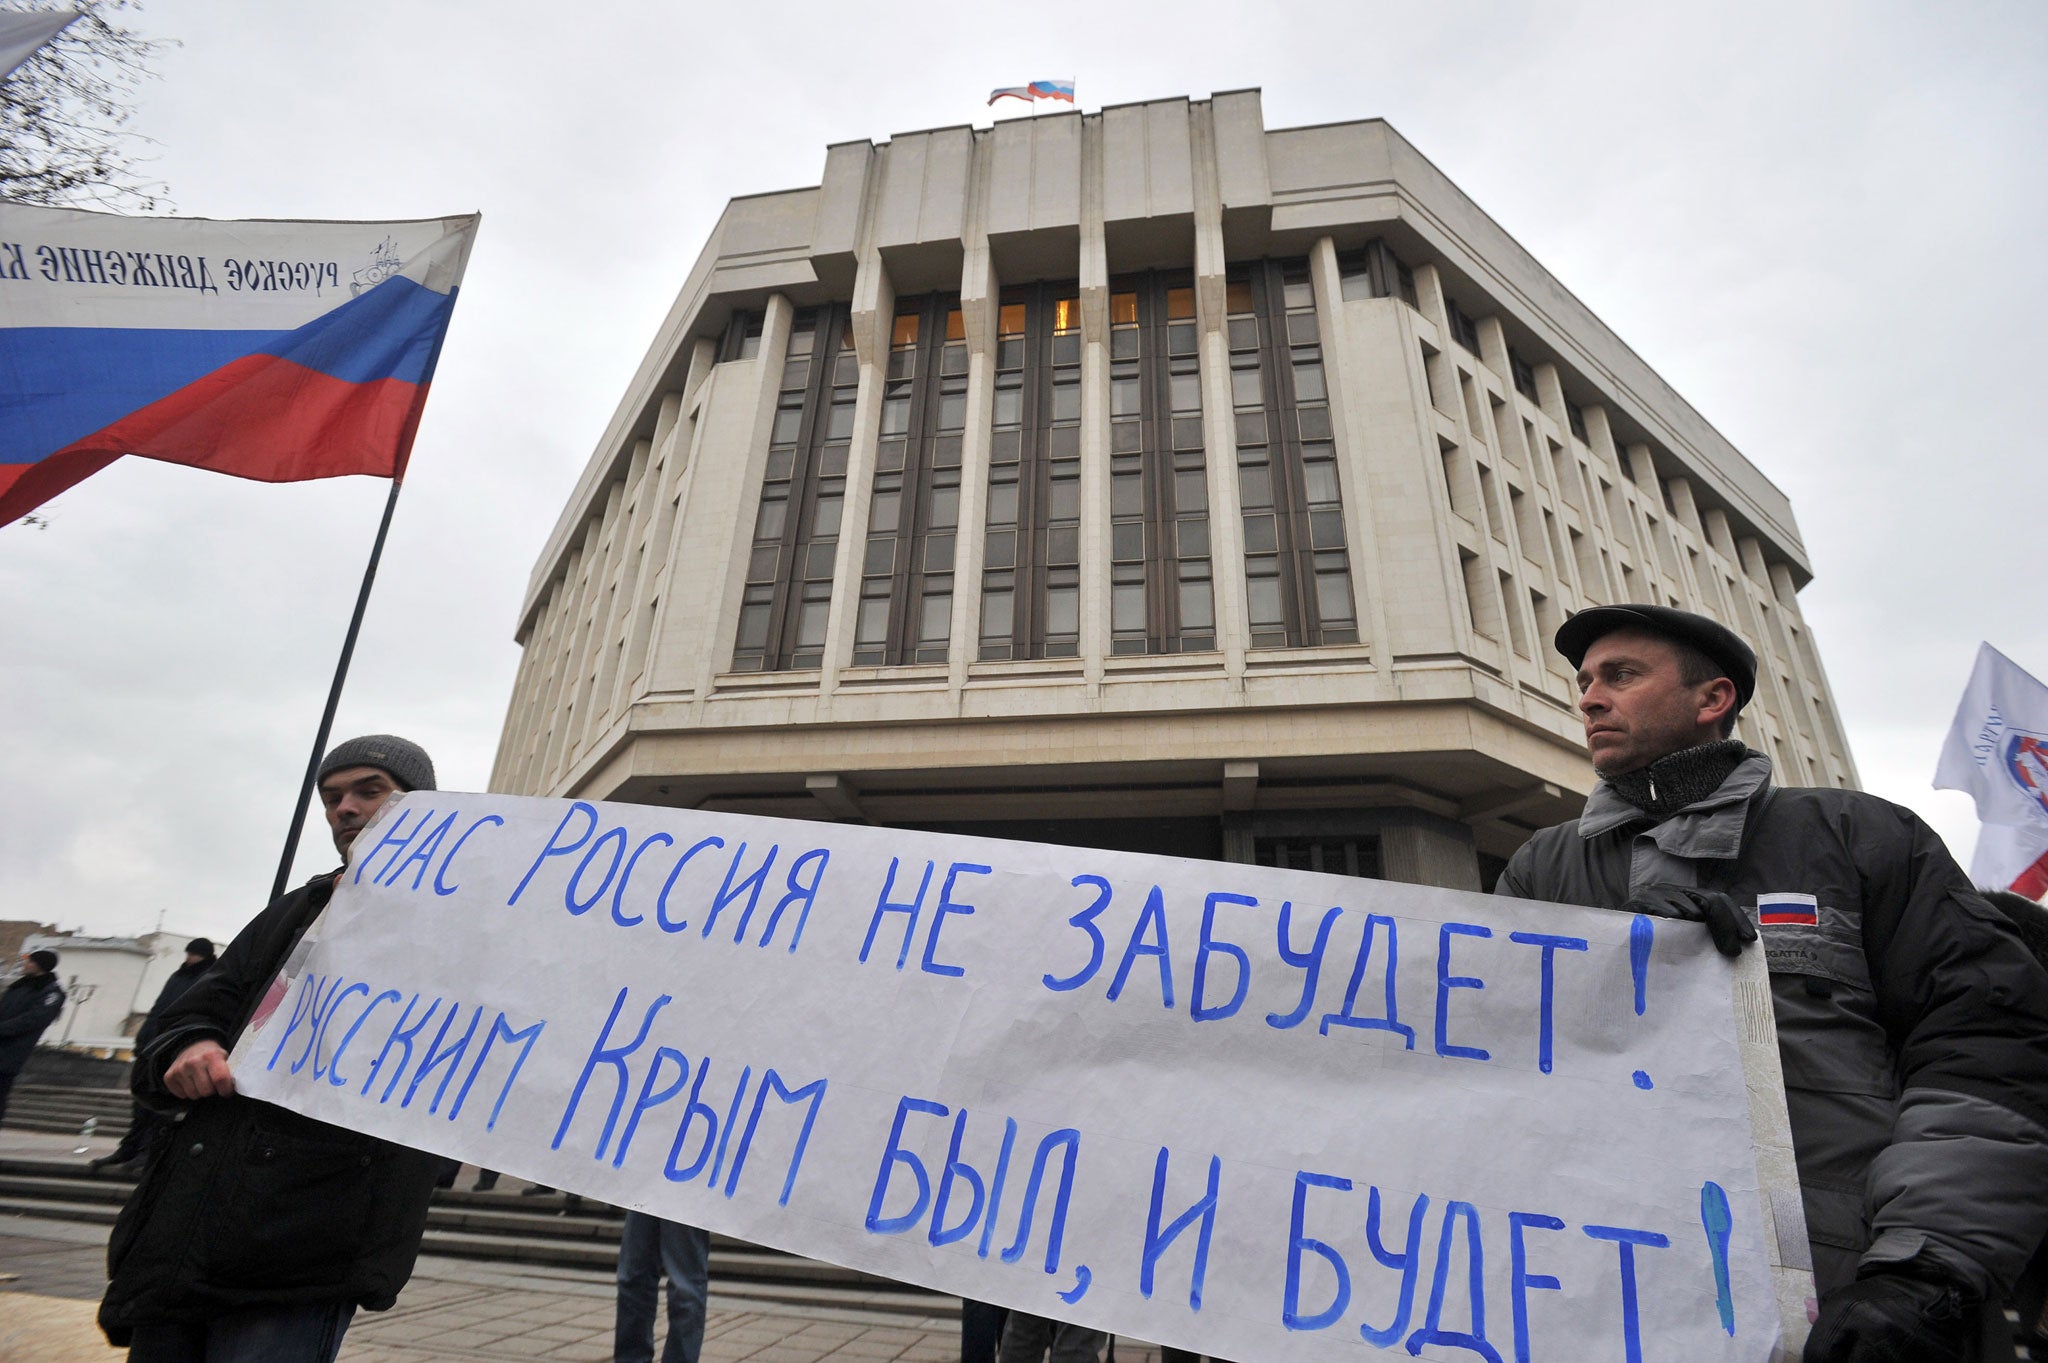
(1912, 1023)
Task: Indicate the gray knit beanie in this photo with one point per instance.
(406, 762)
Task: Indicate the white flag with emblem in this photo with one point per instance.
(1997, 751)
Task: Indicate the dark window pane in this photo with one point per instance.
(1255, 486)
(1299, 293)
(874, 621)
(1315, 423)
(818, 560)
(839, 425)
(1333, 596)
(1062, 610)
(1127, 541)
(780, 464)
(952, 411)
(1127, 608)
(1301, 328)
(761, 564)
(997, 615)
(945, 508)
(753, 627)
(1066, 401)
(1002, 504)
(1260, 535)
(768, 523)
(1005, 446)
(1001, 549)
(882, 511)
(1123, 398)
(937, 621)
(1127, 495)
(1326, 529)
(810, 624)
(1246, 389)
(1123, 344)
(881, 555)
(1251, 428)
(1126, 437)
(788, 422)
(1244, 333)
(1320, 479)
(1191, 491)
(1187, 433)
(1194, 539)
(938, 554)
(1187, 392)
(1010, 354)
(1308, 383)
(895, 415)
(946, 452)
(825, 519)
(1065, 502)
(1065, 442)
(889, 456)
(1263, 593)
(1066, 349)
(1063, 545)
(1197, 606)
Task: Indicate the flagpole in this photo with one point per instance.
(348, 648)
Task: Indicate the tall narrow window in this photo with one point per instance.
(788, 595)
(1375, 272)
(1297, 571)
(1031, 579)
(906, 593)
(1161, 597)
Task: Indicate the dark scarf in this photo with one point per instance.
(1671, 783)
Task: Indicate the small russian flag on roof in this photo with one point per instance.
(1037, 90)
(1783, 909)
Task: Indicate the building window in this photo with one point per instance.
(1031, 575)
(906, 591)
(742, 337)
(1575, 416)
(1463, 330)
(1524, 374)
(788, 594)
(1161, 596)
(1332, 856)
(1376, 272)
(1297, 571)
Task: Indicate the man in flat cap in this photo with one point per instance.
(1912, 1023)
(256, 1232)
(27, 1007)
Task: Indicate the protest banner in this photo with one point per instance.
(1259, 1113)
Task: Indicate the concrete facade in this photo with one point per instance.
(1502, 461)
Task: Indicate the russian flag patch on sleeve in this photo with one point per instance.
(1781, 908)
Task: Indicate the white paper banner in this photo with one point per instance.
(1258, 1113)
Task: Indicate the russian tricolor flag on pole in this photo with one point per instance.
(278, 351)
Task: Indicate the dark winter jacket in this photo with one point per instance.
(182, 979)
(1912, 1023)
(251, 1204)
(27, 1006)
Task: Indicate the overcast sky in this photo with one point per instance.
(1819, 222)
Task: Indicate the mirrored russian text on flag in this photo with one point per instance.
(278, 351)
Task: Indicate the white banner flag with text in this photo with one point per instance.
(1258, 1113)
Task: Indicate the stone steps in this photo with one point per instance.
(504, 1227)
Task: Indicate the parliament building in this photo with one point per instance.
(1146, 479)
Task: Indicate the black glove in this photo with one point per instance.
(1893, 1317)
(1729, 925)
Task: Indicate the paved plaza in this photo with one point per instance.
(458, 1310)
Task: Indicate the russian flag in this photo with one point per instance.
(1784, 909)
(278, 351)
(1037, 90)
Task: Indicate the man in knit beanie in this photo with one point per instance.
(324, 1220)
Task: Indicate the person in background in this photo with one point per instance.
(146, 1126)
(1029, 1339)
(27, 1007)
(653, 1252)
